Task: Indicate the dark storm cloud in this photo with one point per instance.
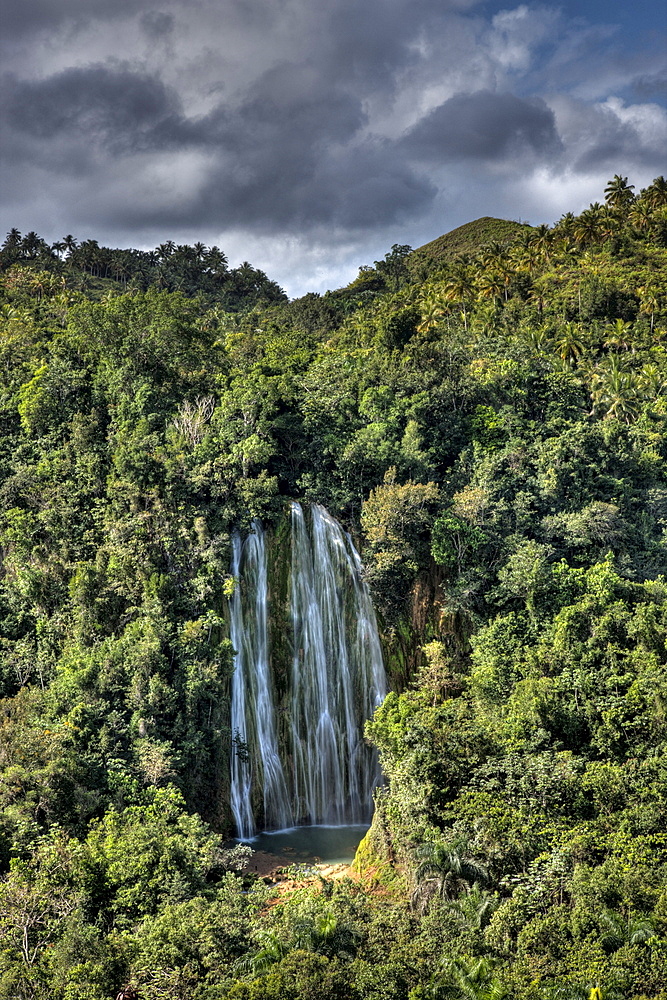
(616, 143)
(289, 110)
(156, 24)
(289, 156)
(484, 126)
(369, 43)
(352, 190)
(116, 108)
(22, 18)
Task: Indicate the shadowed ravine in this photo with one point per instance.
(299, 756)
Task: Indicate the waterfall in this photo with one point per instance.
(315, 766)
(241, 771)
(253, 715)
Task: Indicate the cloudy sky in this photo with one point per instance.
(308, 136)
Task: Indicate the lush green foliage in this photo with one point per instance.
(42, 269)
(492, 429)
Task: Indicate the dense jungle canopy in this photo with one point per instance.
(486, 415)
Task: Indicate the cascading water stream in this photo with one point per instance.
(253, 708)
(318, 769)
(241, 777)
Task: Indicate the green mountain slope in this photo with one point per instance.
(468, 238)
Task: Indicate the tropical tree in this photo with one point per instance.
(616, 392)
(538, 341)
(618, 193)
(70, 243)
(475, 907)
(166, 249)
(432, 309)
(590, 225)
(216, 260)
(569, 345)
(566, 224)
(459, 287)
(629, 929)
(619, 336)
(656, 193)
(649, 302)
(542, 240)
(641, 215)
(12, 240)
(470, 979)
(444, 871)
(31, 244)
(491, 285)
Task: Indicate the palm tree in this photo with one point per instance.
(70, 244)
(649, 302)
(470, 979)
(216, 260)
(569, 346)
(475, 907)
(609, 222)
(120, 269)
(641, 215)
(506, 273)
(524, 254)
(459, 287)
(656, 193)
(619, 336)
(166, 249)
(566, 224)
(432, 309)
(31, 244)
(86, 256)
(542, 239)
(538, 341)
(589, 227)
(484, 321)
(12, 240)
(444, 872)
(618, 193)
(272, 949)
(652, 382)
(38, 283)
(619, 930)
(616, 392)
(491, 285)
(491, 253)
(539, 298)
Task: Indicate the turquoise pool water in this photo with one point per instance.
(310, 844)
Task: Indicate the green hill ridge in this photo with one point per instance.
(468, 238)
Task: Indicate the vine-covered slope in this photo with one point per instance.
(491, 428)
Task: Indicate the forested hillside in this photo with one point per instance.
(488, 422)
